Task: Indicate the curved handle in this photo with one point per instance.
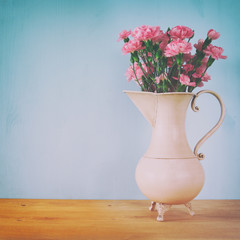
(201, 156)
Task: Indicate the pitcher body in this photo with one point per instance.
(169, 172)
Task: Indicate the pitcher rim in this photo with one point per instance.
(153, 93)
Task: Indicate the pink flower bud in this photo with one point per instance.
(212, 34)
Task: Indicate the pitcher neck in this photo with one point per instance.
(171, 109)
(169, 135)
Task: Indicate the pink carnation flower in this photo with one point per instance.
(181, 32)
(164, 42)
(124, 34)
(207, 51)
(131, 46)
(130, 74)
(198, 45)
(199, 71)
(188, 68)
(187, 57)
(161, 77)
(170, 62)
(184, 79)
(205, 60)
(146, 32)
(177, 46)
(212, 34)
(214, 51)
(206, 77)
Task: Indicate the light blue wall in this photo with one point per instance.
(66, 128)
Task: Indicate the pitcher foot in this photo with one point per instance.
(152, 207)
(189, 207)
(162, 208)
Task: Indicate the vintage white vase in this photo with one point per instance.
(170, 172)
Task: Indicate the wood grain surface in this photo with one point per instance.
(116, 219)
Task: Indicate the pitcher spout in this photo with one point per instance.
(146, 102)
(166, 112)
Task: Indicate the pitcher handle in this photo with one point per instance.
(201, 156)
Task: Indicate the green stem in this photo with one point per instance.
(179, 72)
(145, 74)
(142, 88)
(148, 63)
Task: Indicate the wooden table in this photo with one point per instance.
(116, 219)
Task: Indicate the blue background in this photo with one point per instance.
(66, 128)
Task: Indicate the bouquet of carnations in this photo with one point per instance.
(162, 62)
